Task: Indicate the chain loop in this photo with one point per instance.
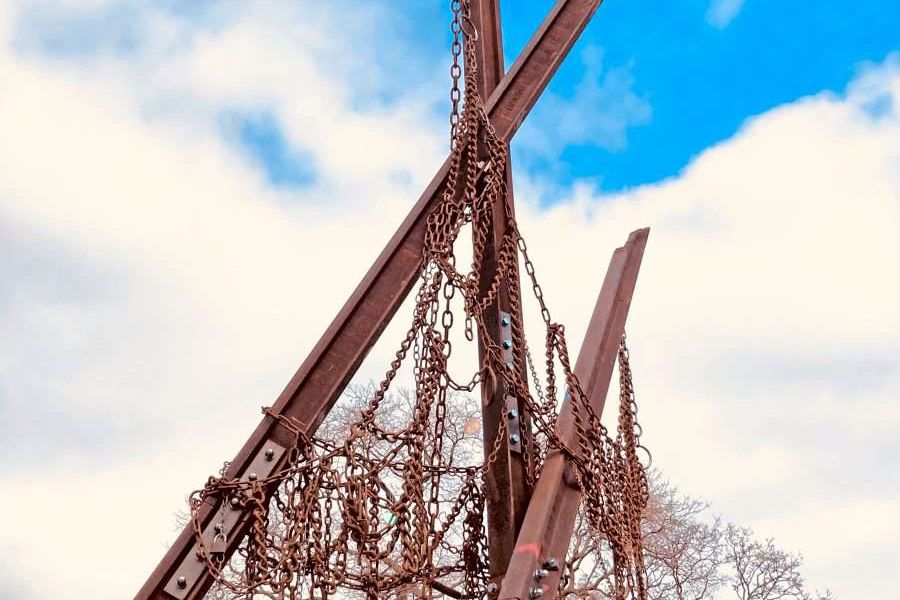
(389, 512)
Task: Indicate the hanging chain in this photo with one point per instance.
(455, 67)
(387, 510)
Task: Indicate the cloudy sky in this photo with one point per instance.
(188, 194)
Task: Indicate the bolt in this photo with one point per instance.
(510, 366)
(513, 413)
(270, 454)
(505, 321)
(536, 592)
(181, 582)
(493, 588)
(514, 438)
(507, 344)
(541, 574)
(551, 564)
(235, 502)
(252, 477)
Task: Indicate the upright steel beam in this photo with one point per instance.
(321, 378)
(506, 484)
(547, 530)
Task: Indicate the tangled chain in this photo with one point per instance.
(388, 512)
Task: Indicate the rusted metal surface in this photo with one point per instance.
(323, 375)
(507, 488)
(547, 529)
(222, 529)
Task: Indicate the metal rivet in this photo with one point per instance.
(270, 454)
(507, 344)
(541, 574)
(513, 413)
(505, 321)
(235, 501)
(551, 564)
(181, 582)
(514, 438)
(252, 477)
(510, 366)
(536, 593)
(492, 588)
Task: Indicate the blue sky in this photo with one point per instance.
(703, 79)
(187, 196)
(700, 77)
(674, 78)
(694, 70)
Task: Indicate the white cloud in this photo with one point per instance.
(722, 12)
(560, 121)
(765, 330)
(159, 278)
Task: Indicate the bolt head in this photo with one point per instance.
(514, 438)
(270, 454)
(510, 366)
(493, 588)
(235, 502)
(252, 477)
(551, 564)
(181, 582)
(541, 574)
(513, 413)
(505, 321)
(507, 344)
(536, 592)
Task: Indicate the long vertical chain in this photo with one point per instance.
(332, 497)
(455, 67)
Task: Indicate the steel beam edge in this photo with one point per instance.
(549, 522)
(506, 486)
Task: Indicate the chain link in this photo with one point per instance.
(389, 511)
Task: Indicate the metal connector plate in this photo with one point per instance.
(227, 518)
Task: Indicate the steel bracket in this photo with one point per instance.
(223, 523)
(513, 416)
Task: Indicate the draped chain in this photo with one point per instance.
(390, 511)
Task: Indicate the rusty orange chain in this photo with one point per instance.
(390, 511)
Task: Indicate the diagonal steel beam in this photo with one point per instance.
(547, 530)
(319, 381)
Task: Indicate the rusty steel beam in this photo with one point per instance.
(547, 530)
(321, 378)
(506, 489)
(485, 17)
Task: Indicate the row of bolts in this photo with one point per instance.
(181, 582)
(513, 413)
(551, 564)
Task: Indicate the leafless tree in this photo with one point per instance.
(682, 545)
(690, 554)
(461, 446)
(683, 552)
(760, 570)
